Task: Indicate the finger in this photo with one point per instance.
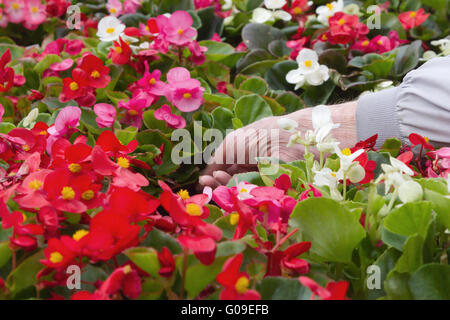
(221, 177)
(208, 181)
(235, 169)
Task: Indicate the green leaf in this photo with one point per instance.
(5, 253)
(251, 108)
(407, 58)
(223, 119)
(411, 218)
(24, 275)
(126, 135)
(276, 75)
(333, 230)
(158, 239)
(45, 63)
(6, 127)
(258, 36)
(392, 239)
(145, 258)
(255, 84)
(441, 206)
(217, 51)
(393, 146)
(278, 288)
(431, 282)
(386, 262)
(229, 248)
(315, 95)
(412, 257)
(290, 101)
(199, 276)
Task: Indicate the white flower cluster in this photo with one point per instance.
(272, 13)
(328, 10)
(444, 46)
(309, 70)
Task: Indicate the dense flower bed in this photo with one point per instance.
(89, 101)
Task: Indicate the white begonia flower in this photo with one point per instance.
(395, 174)
(227, 5)
(326, 177)
(320, 137)
(309, 70)
(110, 28)
(428, 55)
(348, 167)
(30, 120)
(410, 191)
(272, 13)
(287, 124)
(444, 46)
(328, 10)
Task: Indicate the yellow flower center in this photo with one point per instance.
(118, 50)
(413, 14)
(333, 174)
(180, 31)
(330, 6)
(15, 6)
(132, 112)
(263, 209)
(74, 86)
(34, 9)
(380, 42)
(234, 219)
(24, 217)
(365, 43)
(242, 284)
(152, 81)
(26, 147)
(43, 133)
(35, 184)
(56, 257)
(110, 30)
(194, 209)
(297, 10)
(79, 234)
(112, 10)
(87, 195)
(346, 152)
(243, 190)
(308, 63)
(74, 167)
(95, 74)
(67, 193)
(427, 140)
(127, 269)
(341, 22)
(123, 162)
(184, 194)
(187, 95)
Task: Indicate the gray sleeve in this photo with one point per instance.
(421, 104)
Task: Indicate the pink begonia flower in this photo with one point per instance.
(144, 30)
(114, 7)
(198, 52)
(172, 120)
(35, 14)
(185, 93)
(199, 4)
(151, 83)
(66, 64)
(50, 73)
(3, 19)
(131, 6)
(106, 114)
(134, 108)
(74, 47)
(19, 80)
(2, 112)
(16, 10)
(178, 28)
(67, 120)
(216, 37)
(55, 47)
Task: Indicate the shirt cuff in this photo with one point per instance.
(376, 113)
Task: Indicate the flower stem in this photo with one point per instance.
(183, 275)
